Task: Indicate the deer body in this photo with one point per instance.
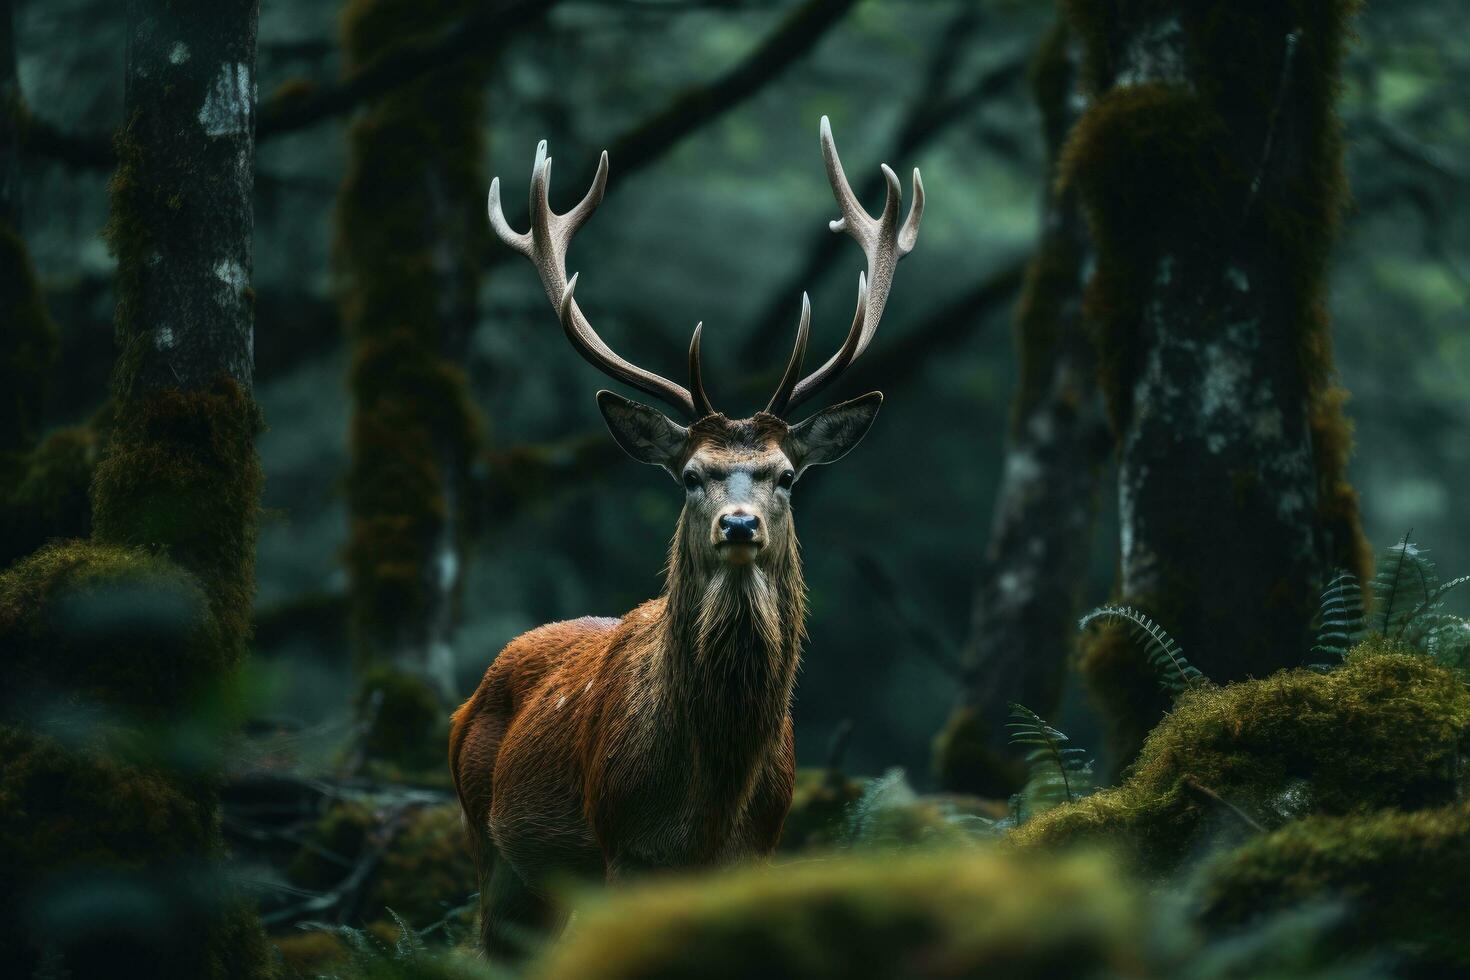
(607, 747)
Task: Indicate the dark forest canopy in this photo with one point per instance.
(1255, 213)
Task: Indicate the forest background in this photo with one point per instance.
(716, 212)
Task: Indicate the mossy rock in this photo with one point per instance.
(48, 493)
(333, 846)
(102, 865)
(1401, 875)
(427, 873)
(968, 913)
(106, 625)
(820, 802)
(1385, 730)
(966, 761)
(405, 723)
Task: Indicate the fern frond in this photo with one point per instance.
(1404, 580)
(1058, 772)
(1176, 673)
(409, 943)
(1340, 617)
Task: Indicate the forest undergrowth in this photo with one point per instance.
(1308, 823)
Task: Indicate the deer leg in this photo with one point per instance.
(515, 919)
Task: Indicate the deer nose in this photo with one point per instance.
(739, 527)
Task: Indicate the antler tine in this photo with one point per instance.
(702, 406)
(546, 246)
(883, 243)
(782, 398)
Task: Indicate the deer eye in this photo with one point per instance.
(786, 480)
(691, 480)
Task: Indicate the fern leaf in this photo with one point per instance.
(1176, 673)
(409, 943)
(1404, 581)
(1340, 617)
(1058, 772)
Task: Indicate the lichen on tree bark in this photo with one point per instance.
(409, 245)
(1209, 166)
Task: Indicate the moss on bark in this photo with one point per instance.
(181, 476)
(408, 249)
(1386, 730)
(1210, 168)
(27, 346)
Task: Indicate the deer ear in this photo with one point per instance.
(832, 433)
(645, 433)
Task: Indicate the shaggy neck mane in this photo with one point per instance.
(734, 635)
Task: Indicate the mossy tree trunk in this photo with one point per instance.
(110, 833)
(1209, 167)
(43, 488)
(27, 338)
(180, 473)
(409, 244)
(1036, 563)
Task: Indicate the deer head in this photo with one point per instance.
(737, 474)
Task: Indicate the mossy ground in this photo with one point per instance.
(1399, 876)
(937, 915)
(1386, 730)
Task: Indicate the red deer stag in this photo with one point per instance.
(605, 747)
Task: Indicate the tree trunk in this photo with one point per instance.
(140, 629)
(409, 239)
(1209, 167)
(1036, 564)
(27, 338)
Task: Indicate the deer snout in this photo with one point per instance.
(739, 528)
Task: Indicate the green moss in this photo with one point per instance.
(405, 725)
(333, 846)
(100, 855)
(414, 430)
(966, 761)
(971, 913)
(1122, 683)
(49, 493)
(1385, 730)
(427, 872)
(181, 475)
(1401, 877)
(27, 345)
(819, 805)
(1165, 163)
(311, 954)
(109, 625)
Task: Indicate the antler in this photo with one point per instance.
(546, 246)
(884, 242)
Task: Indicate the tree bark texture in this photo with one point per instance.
(1209, 167)
(187, 169)
(1036, 563)
(410, 227)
